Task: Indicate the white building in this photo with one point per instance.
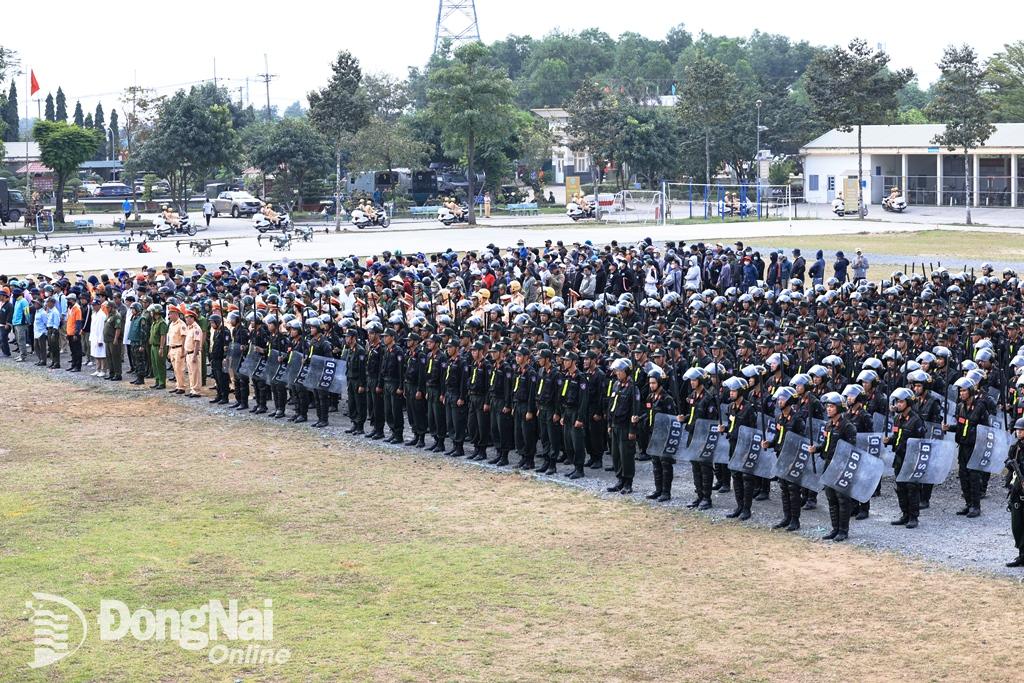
(905, 156)
(564, 162)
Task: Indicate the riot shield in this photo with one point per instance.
(697, 441)
(326, 374)
(927, 461)
(871, 443)
(752, 455)
(275, 364)
(796, 464)
(716, 446)
(990, 450)
(250, 365)
(668, 437)
(234, 356)
(853, 472)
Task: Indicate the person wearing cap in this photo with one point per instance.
(476, 387)
(524, 412)
(414, 383)
(193, 346)
(113, 338)
(6, 313)
(1014, 482)
(176, 347)
(455, 398)
(549, 380)
(158, 347)
(374, 386)
(574, 412)
(499, 404)
(392, 373)
(355, 376)
(73, 330)
(21, 322)
(319, 345)
(433, 381)
(51, 340)
(136, 347)
(239, 349)
(599, 387)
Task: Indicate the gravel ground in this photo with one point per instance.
(982, 544)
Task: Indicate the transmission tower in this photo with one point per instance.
(456, 22)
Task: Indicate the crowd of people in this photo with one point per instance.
(565, 354)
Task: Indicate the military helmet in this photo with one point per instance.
(735, 384)
(965, 383)
(834, 398)
(785, 394)
(622, 364)
(1018, 423)
(694, 374)
(868, 376)
(900, 394)
(853, 392)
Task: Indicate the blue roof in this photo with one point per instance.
(113, 163)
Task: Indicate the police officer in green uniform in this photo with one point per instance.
(499, 404)
(355, 376)
(479, 376)
(158, 347)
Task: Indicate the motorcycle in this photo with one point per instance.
(263, 224)
(895, 204)
(162, 228)
(361, 220)
(446, 216)
(839, 208)
(578, 213)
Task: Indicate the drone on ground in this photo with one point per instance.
(58, 252)
(118, 243)
(305, 232)
(25, 240)
(202, 247)
(278, 242)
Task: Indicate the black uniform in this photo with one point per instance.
(219, 340)
(524, 415)
(355, 376)
(623, 415)
(499, 406)
(742, 413)
(573, 407)
(968, 417)
(904, 427)
(792, 503)
(700, 405)
(375, 389)
(662, 466)
(392, 377)
(548, 383)
(839, 506)
(1015, 498)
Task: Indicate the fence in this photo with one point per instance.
(743, 201)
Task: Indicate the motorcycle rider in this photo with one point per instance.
(268, 211)
(171, 217)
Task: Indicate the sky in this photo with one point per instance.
(94, 55)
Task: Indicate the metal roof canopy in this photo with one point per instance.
(909, 137)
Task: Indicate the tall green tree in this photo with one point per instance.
(471, 102)
(652, 140)
(99, 121)
(854, 86)
(291, 149)
(11, 116)
(87, 122)
(48, 112)
(63, 148)
(100, 124)
(963, 104)
(1005, 77)
(596, 122)
(191, 138)
(385, 144)
(79, 117)
(115, 136)
(61, 112)
(339, 111)
(706, 99)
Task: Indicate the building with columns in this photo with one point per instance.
(905, 156)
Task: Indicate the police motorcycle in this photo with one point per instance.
(448, 217)
(163, 228)
(361, 219)
(264, 224)
(895, 202)
(578, 213)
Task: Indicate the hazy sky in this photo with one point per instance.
(94, 51)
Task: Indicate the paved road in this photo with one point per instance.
(415, 237)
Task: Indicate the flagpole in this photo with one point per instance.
(28, 174)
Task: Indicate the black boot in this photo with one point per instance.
(654, 495)
(787, 515)
(627, 487)
(667, 474)
(577, 473)
(617, 487)
(748, 499)
(833, 515)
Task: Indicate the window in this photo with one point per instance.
(831, 183)
(812, 182)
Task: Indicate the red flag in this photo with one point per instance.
(35, 84)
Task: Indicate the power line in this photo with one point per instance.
(267, 77)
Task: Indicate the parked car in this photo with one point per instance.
(236, 203)
(160, 187)
(113, 190)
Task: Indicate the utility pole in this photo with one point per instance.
(267, 77)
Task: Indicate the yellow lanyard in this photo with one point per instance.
(967, 423)
(447, 373)
(493, 375)
(615, 402)
(782, 434)
(693, 411)
(565, 386)
(609, 393)
(732, 423)
(430, 366)
(540, 386)
(516, 387)
(828, 439)
(899, 436)
(472, 379)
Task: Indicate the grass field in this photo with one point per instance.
(387, 566)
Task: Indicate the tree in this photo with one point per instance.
(1005, 76)
(48, 112)
(706, 99)
(99, 120)
(115, 136)
(292, 149)
(472, 104)
(853, 86)
(962, 103)
(294, 111)
(595, 126)
(63, 148)
(88, 123)
(339, 111)
(388, 145)
(79, 117)
(62, 106)
(11, 116)
(191, 138)
(386, 96)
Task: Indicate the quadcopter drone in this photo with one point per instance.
(277, 242)
(119, 243)
(202, 247)
(58, 252)
(24, 240)
(305, 232)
